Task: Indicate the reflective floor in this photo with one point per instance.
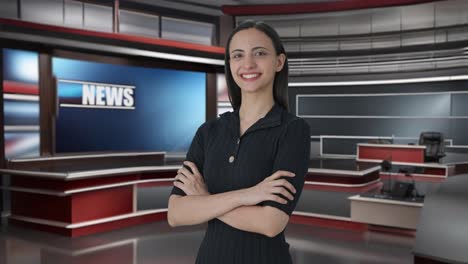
(159, 243)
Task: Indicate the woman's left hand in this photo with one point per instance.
(191, 182)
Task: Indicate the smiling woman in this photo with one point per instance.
(254, 62)
(253, 49)
(245, 171)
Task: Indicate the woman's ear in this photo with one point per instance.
(280, 62)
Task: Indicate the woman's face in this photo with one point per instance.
(253, 61)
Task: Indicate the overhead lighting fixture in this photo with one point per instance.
(110, 48)
(373, 82)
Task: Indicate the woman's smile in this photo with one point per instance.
(249, 77)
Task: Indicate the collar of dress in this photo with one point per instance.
(271, 119)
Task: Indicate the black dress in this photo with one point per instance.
(279, 141)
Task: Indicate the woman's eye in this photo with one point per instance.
(260, 53)
(236, 56)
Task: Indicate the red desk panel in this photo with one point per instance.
(400, 153)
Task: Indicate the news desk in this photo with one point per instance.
(342, 172)
(385, 212)
(407, 165)
(412, 157)
(76, 195)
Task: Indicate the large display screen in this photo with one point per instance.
(21, 103)
(111, 107)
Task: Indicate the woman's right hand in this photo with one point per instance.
(270, 188)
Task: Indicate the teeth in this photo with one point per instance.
(249, 76)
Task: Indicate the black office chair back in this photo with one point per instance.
(435, 145)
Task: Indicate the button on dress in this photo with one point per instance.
(228, 161)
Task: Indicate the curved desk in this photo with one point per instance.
(328, 184)
(341, 173)
(85, 194)
(76, 195)
(411, 158)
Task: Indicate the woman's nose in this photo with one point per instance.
(249, 62)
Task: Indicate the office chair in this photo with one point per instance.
(435, 145)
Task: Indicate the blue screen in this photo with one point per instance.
(21, 66)
(169, 105)
(21, 103)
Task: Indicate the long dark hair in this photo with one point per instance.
(280, 84)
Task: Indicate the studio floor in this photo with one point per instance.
(159, 243)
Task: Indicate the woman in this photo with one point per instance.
(245, 171)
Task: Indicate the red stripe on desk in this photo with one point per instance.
(159, 175)
(403, 177)
(349, 225)
(342, 5)
(435, 171)
(393, 230)
(76, 208)
(427, 260)
(319, 233)
(325, 222)
(20, 88)
(392, 153)
(342, 178)
(351, 189)
(138, 220)
(41, 206)
(115, 36)
(62, 185)
(98, 228)
(156, 184)
(99, 204)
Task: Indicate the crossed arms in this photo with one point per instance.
(237, 208)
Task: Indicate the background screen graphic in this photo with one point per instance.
(169, 107)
